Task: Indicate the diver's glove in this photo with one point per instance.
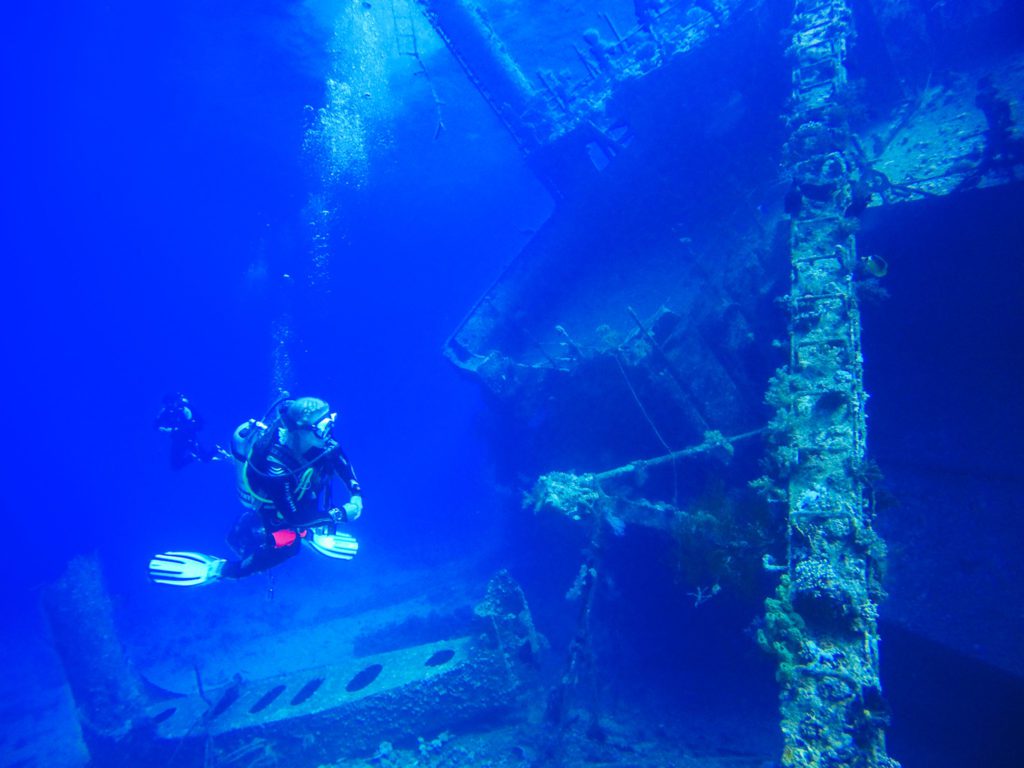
(354, 508)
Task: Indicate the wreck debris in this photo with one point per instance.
(505, 607)
(408, 45)
(540, 116)
(581, 495)
(390, 696)
(469, 36)
(721, 536)
(677, 377)
(107, 688)
(822, 623)
(953, 135)
(678, 386)
(576, 691)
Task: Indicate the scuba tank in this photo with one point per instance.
(243, 439)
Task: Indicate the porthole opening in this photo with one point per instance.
(441, 657)
(306, 692)
(363, 678)
(267, 699)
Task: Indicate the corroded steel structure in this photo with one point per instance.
(822, 623)
(344, 709)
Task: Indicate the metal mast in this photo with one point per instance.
(822, 622)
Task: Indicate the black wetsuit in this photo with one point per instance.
(294, 494)
(183, 425)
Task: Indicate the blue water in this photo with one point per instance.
(155, 218)
(156, 171)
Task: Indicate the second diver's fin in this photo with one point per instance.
(341, 546)
(185, 569)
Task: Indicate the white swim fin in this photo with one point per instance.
(185, 569)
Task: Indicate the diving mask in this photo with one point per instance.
(322, 429)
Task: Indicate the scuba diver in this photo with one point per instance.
(284, 468)
(183, 424)
(1003, 150)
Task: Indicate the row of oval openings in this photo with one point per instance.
(359, 681)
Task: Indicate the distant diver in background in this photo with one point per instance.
(183, 424)
(284, 468)
(1003, 150)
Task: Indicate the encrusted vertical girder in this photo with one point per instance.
(108, 690)
(822, 622)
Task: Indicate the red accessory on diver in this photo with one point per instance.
(286, 537)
